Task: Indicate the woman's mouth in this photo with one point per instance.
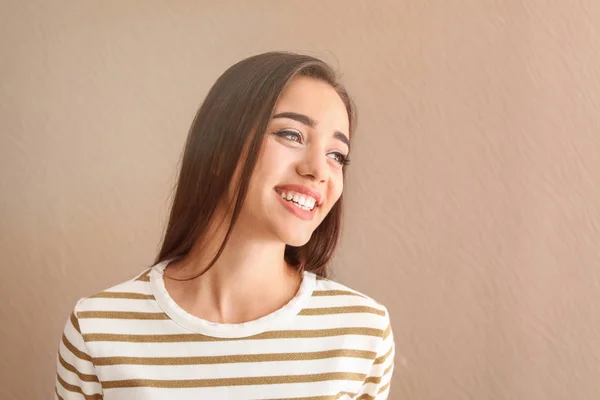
(302, 201)
(301, 205)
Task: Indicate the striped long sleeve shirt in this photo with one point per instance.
(133, 341)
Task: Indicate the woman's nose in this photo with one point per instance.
(313, 165)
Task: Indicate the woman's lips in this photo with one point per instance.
(306, 215)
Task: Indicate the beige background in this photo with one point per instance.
(473, 199)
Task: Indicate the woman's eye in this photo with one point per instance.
(340, 158)
(294, 136)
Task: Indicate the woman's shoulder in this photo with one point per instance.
(340, 298)
(136, 288)
(329, 287)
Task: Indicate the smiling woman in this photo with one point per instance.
(237, 304)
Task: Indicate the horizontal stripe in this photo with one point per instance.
(118, 305)
(145, 277)
(77, 389)
(243, 381)
(381, 360)
(122, 295)
(335, 293)
(133, 286)
(242, 358)
(332, 397)
(341, 301)
(377, 379)
(236, 370)
(167, 326)
(224, 348)
(384, 388)
(122, 315)
(195, 337)
(341, 310)
(387, 332)
(133, 326)
(369, 397)
(69, 367)
(310, 390)
(365, 397)
(75, 322)
(78, 353)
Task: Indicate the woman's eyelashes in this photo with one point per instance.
(341, 159)
(295, 136)
(290, 134)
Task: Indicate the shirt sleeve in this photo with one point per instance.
(377, 384)
(76, 377)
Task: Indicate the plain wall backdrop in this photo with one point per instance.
(473, 199)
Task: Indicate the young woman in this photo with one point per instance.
(237, 304)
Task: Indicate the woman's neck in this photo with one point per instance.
(249, 280)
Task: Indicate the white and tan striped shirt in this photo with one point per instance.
(134, 342)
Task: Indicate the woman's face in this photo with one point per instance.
(299, 174)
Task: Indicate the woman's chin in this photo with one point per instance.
(297, 240)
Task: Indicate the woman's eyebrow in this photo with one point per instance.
(343, 138)
(303, 119)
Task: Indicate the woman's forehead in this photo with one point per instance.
(317, 100)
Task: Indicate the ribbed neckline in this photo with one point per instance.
(199, 325)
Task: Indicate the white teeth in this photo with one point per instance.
(302, 207)
(300, 201)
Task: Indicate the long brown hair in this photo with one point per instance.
(230, 123)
